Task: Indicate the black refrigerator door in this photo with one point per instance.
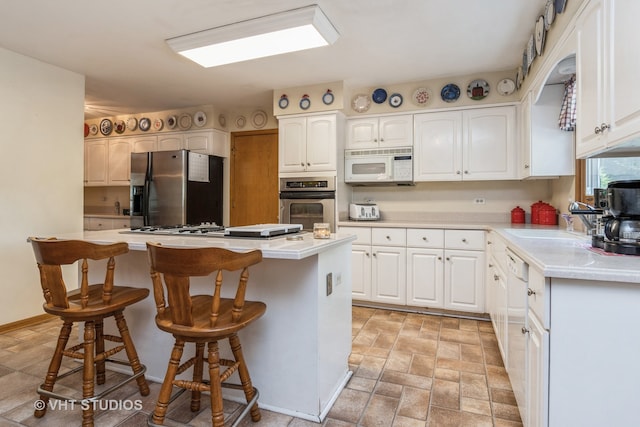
(204, 199)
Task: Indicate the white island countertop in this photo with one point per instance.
(277, 247)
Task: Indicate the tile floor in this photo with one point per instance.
(409, 370)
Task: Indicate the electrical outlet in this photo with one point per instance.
(329, 283)
(479, 201)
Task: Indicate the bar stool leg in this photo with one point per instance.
(132, 354)
(100, 365)
(217, 414)
(167, 385)
(197, 376)
(88, 372)
(245, 379)
(54, 366)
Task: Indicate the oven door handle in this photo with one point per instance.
(309, 195)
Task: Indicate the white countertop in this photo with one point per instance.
(569, 258)
(271, 248)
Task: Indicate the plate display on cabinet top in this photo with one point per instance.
(200, 119)
(361, 103)
(506, 87)
(106, 127)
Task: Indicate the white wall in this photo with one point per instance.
(41, 171)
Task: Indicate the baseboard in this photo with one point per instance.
(8, 327)
(423, 310)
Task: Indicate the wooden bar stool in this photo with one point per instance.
(90, 304)
(203, 319)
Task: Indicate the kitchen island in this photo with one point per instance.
(297, 353)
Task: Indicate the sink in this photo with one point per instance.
(533, 233)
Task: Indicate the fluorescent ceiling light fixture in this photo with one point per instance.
(290, 31)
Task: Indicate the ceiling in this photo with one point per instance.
(120, 46)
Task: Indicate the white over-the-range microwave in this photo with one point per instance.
(379, 166)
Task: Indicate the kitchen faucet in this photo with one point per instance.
(587, 214)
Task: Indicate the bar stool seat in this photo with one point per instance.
(203, 319)
(89, 304)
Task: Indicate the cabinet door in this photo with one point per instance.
(119, 161)
(362, 133)
(438, 146)
(321, 143)
(498, 307)
(625, 69)
(124, 222)
(591, 107)
(170, 142)
(524, 160)
(198, 142)
(489, 144)
(396, 131)
(389, 271)
(361, 272)
(144, 144)
(425, 284)
(463, 280)
(537, 373)
(292, 144)
(96, 156)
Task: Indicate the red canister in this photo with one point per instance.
(535, 212)
(517, 215)
(548, 215)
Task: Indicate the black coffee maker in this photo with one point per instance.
(622, 225)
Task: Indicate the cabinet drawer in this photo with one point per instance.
(389, 236)
(464, 239)
(121, 223)
(363, 234)
(497, 248)
(425, 238)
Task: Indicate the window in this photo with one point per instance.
(600, 172)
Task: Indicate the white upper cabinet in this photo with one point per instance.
(472, 145)
(608, 113)
(119, 162)
(95, 162)
(380, 132)
(308, 144)
(545, 149)
(107, 162)
(144, 144)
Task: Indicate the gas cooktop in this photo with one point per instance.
(260, 231)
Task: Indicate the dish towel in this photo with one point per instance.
(567, 120)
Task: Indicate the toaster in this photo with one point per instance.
(364, 212)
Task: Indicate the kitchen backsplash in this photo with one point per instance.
(102, 200)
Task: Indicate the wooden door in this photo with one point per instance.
(254, 178)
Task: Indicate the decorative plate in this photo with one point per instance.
(158, 124)
(361, 103)
(559, 5)
(283, 102)
(379, 96)
(106, 127)
(506, 87)
(305, 102)
(549, 14)
(200, 119)
(172, 122)
(450, 93)
(327, 98)
(395, 100)
(259, 119)
(519, 78)
(119, 126)
(222, 120)
(86, 130)
(132, 123)
(540, 33)
(478, 89)
(93, 129)
(184, 121)
(421, 96)
(531, 51)
(144, 124)
(240, 122)
(525, 63)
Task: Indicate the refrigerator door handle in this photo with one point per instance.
(147, 189)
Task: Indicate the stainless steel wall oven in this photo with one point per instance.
(307, 201)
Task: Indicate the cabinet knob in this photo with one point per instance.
(425, 239)
(489, 242)
(439, 258)
(367, 254)
(490, 265)
(381, 139)
(530, 292)
(496, 277)
(448, 259)
(458, 172)
(308, 164)
(466, 172)
(302, 164)
(375, 139)
(374, 254)
(526, 166)
(524, 330)
(604, 127)
(388, 237)
(464, 240)
(597, 130)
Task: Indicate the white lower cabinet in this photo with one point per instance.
(537, 375)
(419, 267)
(102, 223)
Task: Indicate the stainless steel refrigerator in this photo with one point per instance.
(176, 188)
